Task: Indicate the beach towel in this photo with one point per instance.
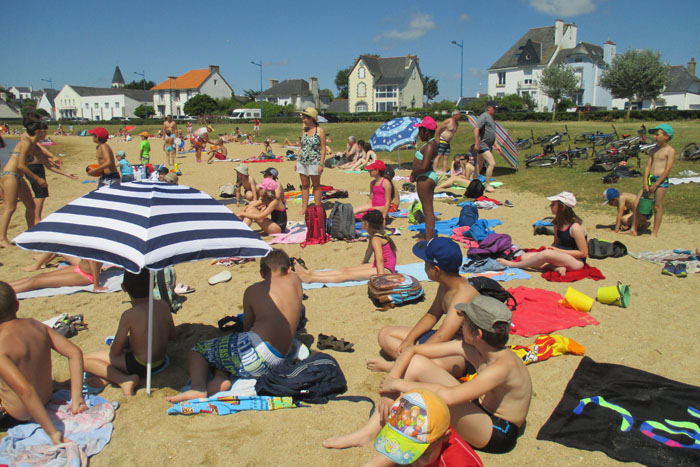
(447, 226)
(677, 181)
(539, 312)
(482, 229)
(28, 443)
(416, 270)
(111, 278)
(458, 236)
(630, 415)
(547, 346)
(586, 272)
(294, 234)
(403, 213)
(250, 161)
(677, 256)
(411, 197)
(506, 275)
(226, 405)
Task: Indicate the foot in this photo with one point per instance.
(186, 396)
(5, 244)
(378, 364)
(653, 235)
(129, 386)
(631, 232)
(32, 268)
(561, 270)
(505, 262)
(489, 189)
(353, 440)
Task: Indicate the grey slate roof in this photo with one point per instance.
(136, 94)
(117, 78)
(339, 106)
(23, 89)
(680, 80)
(289, 87)
(51, 95)
(542, 38)
(594, 52)
(388, 71)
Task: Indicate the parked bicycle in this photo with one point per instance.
(597, 138)
(548, 154)
(525, 143)
(628, 140)
(691, 152)
(545, 138)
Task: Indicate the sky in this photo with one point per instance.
(74, 43)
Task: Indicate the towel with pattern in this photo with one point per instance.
(226, 405)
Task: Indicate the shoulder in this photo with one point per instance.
(577, 229)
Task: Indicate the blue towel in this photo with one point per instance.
(482, 229)
(542, 224)
(416, 270)
(441, 227)
(509, 274)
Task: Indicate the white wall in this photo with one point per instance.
(516, 84)
(216, 87)
(45, 104)
(68, 103)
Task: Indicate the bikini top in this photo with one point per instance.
(419, 154)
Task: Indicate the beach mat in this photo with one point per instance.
(111, 278)
(416, 270)
(629, 414)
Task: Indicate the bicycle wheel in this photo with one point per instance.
(690, 152)
(524, 144)
(582, 137)
(541, 162)
(542, 139)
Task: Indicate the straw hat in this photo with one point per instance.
(311, 113)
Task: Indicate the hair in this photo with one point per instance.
(163, 170)
(276, 260)
(367, 147)
(375, 225)
(497, 339)
(33, 123)
(8, 301)
(389, 175)
(136, 285)
(168, 132)
(361, 143)
(456, 112)
(267, 196)
(565, 215)
(351, 139)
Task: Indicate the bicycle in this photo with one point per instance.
(628, 140)
(525, 143)
(690, 152)
(544, 138)
(597, 138)
(548, 156)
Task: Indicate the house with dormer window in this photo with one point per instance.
(169, 97)
(389, 84)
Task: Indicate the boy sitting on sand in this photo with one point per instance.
(271, 310)
(124, 363)
(624, 203)
(26, 384)
(489, 411)
(443, 258)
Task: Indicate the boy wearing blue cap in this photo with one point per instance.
(624, 202)
(656, 176)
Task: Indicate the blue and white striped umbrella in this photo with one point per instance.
(395, 133)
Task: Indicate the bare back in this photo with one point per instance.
(136, 322)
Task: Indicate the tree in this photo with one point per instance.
(270, 109)
(430, 87)
(199, 105)
(636, 74)
(342, 82)
(330, 93)
(225, 106)
(26, 106)
(139, 112)
(557, 82)
(516, 101)
(251, 94)
(139, 85)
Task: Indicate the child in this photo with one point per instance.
(124, 167)
(105, 159)
(461, 173)
(489, 411)
(266, 153)
(443, 258)
(380, 190)
(236, 135)
(656, 177)
(389, 174)
(356, 157)
(272, 173)
(219, 151)
(169, 148)
(624, 202)
(382, 247)
(245, 185)
(145, 148)
(26, 383)
(267, 205)
(124, 363)
(271, 311)
(570, 247)
(80, 272)
(423, 173)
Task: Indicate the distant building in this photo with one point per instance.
(47, 102)
(385, 84)
(98, 103)
(169, 97)
(338, 106)
(118, 79)
(21, 92)
(8, 110)
(297, 92)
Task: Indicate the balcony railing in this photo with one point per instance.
(527, 84)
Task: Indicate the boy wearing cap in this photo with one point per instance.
(145, 148)
(124, 167)
(105, 159)
(489, 411)
(484, 139)
(245, 185)
(656, 177)
(443, 258)
(624, 202)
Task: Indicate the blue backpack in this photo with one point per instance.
(468, 215)
(390, 290)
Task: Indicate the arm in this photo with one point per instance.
(476, 138)
(121, 338)
(95, 269)
(258, 214)
(620, 213)
(449, 327)
(253, 188)
(22, 163)
(48, 160)
(248, 313)
(387, 197)
(444, 349)
(368, 253)
(424, 324)
(322, 135)
(171, 325)
(75, 366)
(378, 254)
(647, 169)
(425, 164)
(53, 160)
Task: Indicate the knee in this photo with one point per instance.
(383, 335)
(304, 185)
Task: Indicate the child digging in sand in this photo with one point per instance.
(271, 310)
(624, 204)
(124, 363)
(488, 411)
(26, 383)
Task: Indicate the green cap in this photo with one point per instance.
(485, 311)
(668, 129)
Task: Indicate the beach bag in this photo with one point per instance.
(415, 214)
(493, 245)
(315, 218)
(491, 288)
(479, 230)
(227, 191)
(475, 189)
(332, 162)
(468, 215)
(544, 226)
(335, 193)
(600, 249)
(315, 379)
(166, 281)
(341, 222)
(391, 290)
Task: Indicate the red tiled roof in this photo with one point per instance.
(193, 79)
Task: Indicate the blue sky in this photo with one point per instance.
(73, 44)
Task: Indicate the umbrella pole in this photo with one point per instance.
(151, 282)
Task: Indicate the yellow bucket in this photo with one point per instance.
(615, 295)
(577, 300)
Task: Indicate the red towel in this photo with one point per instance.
(539, 312)
(587, 272)
(484, 198)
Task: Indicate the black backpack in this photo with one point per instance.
(491, 288)
(314, 380)
(599, 249)
(475, 189)
(341, 222)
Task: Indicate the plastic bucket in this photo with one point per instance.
(577, 300)
(615, 295)
(646, 205)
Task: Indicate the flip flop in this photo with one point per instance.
(223, 276)
(325, 342)
(182, 289)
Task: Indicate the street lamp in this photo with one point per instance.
(460, 44)
(145, 106)
(261, 99)
(50, 81)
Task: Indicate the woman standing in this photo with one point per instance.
(312, 156)
(423, 174)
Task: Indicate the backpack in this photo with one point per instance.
(314, 380)
(415, 214)
(544, 226)
(331, 162)
(491, 288)
(468, 215)
(492, 245)
(390, 290)
(227, 191)
(166, 281)
(315, 218)
(341, 222)
(475, 189)
(600, 249)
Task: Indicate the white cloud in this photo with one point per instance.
(418, 27)
(565, 8)
(463, 18)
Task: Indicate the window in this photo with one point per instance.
(361, 72)
(527, 81)
(214, 82)
(87, 106)
(361, 106)
(106, 105)
(97, 105)
(386, 92)
(415, 74)
(578, 60)
(501, 78)
(116, 105)
(384, 106)
(177, 95)
(361, 90)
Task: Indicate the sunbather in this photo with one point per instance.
(81, 272)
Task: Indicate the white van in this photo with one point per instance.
(245, 114)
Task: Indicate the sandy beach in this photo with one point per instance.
(657, 333)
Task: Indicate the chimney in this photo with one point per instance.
(558, 31)
(213, 69)
(609, 51)
(274, 82)
(691, 66)
(313, 88)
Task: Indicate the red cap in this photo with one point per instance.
(99, 132)
(377, 165)
(428, 123)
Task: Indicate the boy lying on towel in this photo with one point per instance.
(271, 310)
(26, 384)
(124, 363)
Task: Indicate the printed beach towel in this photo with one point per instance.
(226, 405)
(629, 414)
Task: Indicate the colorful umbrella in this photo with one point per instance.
(395, 133)
(504, 142)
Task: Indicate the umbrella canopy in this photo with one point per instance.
(129, 127)
(504, 142)
(395, 133)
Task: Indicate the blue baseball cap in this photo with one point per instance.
(440, 251)
(609, 195)
(668, 129)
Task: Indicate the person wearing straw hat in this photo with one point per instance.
(312, 156)
(245, 185)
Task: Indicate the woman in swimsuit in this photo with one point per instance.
(570, 248)
(382, 247)
(460, 175)
(423, 174)
(380, 190)
(269, 212)
(80, 272)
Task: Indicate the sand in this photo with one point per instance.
(657, 333)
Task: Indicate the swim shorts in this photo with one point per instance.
(443, 148)
(654, 178)
(242, 354)
(9, 172)
(504, 434)
(38, 170)
(134, 365)
(169, 148)
(109, 179)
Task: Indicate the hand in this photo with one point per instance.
(320, 169)
(652, 188)
(56, 162)
(385, 404)
(42, 183)
(405, 345)
(78, 405)
(295, 166)
(72, 176)
(98, 288)
(57, 438)
(388, 385)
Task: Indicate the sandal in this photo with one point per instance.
(325, 342)
(182, 289)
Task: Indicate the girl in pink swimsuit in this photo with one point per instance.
(380, 190)
(80, 272)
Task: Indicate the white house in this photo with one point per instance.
(518, 71)
(98, 103)
(385, 84)
(47, 102)
(297, 92)
(21, 92)
(169, 97)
